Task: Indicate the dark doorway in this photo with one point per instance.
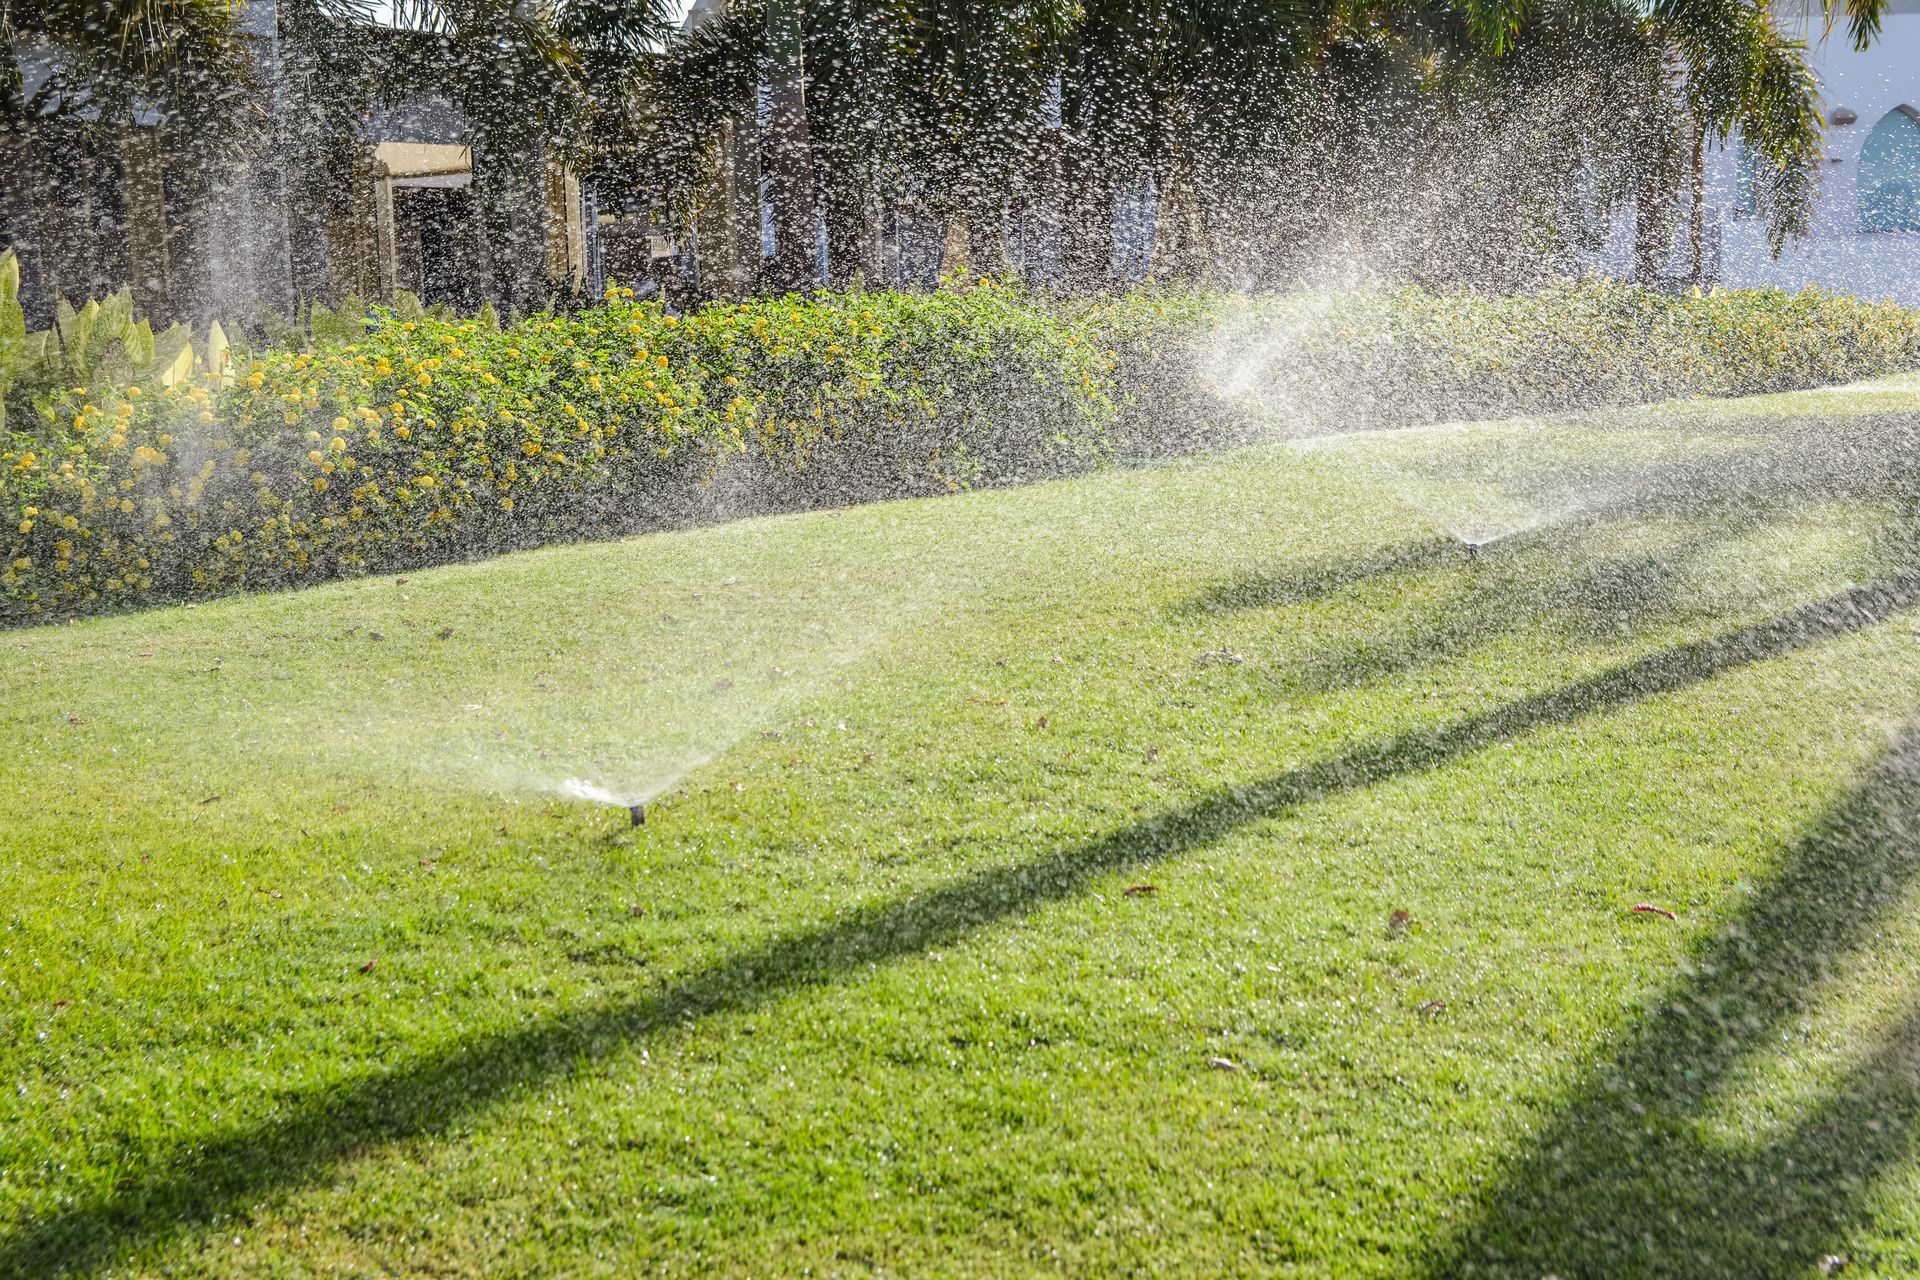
(437, 244)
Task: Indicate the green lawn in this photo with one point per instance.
(1021, 886)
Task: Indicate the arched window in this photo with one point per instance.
(1890, 173)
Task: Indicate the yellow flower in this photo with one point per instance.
(29, 512)
(319, 484)
(403, 433)
(506, 504)
(24, 562)
(314, 456)
(26, 526)
(337, 445)
(133, 393)
(339, 424)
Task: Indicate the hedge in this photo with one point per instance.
(1313, 361)
(433, 440)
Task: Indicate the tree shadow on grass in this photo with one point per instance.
(1738, 496)
(1302, 583)
(214, 1175)
(1631, 1181)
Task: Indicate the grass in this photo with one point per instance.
(308, 968)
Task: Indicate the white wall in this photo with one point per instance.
(1837, 254)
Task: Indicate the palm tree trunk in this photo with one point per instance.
(789, 151)
(1697, 215)
(1086, 228)
(1650, 230)
(985, 230)
(1179, 228)
(846, 232)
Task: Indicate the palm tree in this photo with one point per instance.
(76, 77)
(945, 100)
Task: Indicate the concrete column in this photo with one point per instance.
(144, 186)
(385, 245)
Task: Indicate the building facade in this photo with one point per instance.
(1865, 237)
(407, 203)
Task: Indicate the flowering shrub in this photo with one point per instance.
(431, 440)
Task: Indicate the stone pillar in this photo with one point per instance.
(385, 246)
(727, 216)
(144, 186)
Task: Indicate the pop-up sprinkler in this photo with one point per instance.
(1471, 548)
(638, 812)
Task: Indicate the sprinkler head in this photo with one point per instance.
(638, 812)
(1472, 550)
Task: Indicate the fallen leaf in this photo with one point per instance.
(147, 654)
(61, 1004)
(368, 966)
(209, 799)
(866, 757)
(271, 893)
(722, 685)
(399, 582)
(340, 808)
(446, 633)
(1434, 1006)
(1140, 890)
(1041, 723)
(1153, 753)
(771, 735)
(1398, 922)
(1648, 909)
(427, 862)
(636, 911)
(75, 720)
(1220, 657)
(739, 785)
(1832, 1264)
(503, 828)
(376, 635)
(1223, 1064)
(351, 630)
